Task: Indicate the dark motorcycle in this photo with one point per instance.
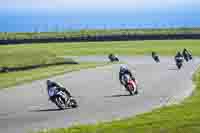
(179, 62)
(156, 58)
(186, 57)
(130, 84)
(190, 56)
(113, 58)
(62, 100)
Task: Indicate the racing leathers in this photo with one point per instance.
(53, 87)
(122, 73)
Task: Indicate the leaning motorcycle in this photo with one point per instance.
(130, 84)
(113, 58)
(179, 62)
(62, 100)
(186, 57)
(190, 56)
(156, 58)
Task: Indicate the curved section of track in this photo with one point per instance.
(99, 94)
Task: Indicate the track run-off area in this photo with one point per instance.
(99, 94)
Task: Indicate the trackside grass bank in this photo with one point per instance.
(164, 47)
(15, 78)
(182, 118)
(25, 55)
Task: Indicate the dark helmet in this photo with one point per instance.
(153, 53)
(179, 53)
(123, 68)
(49, 82)
(111, 55)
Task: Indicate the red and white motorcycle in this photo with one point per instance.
(130, 84)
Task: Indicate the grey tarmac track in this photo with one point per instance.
(100, 96)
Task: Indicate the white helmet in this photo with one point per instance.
(123, 68)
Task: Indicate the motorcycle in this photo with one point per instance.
(130, 84)
(113, 58)
(186, 57)
(179, 62)
(156, 58)
(190, 56)
(61, 99)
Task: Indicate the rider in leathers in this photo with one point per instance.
(178, 57)
(124, 70)
(185, 54)
(54, 85)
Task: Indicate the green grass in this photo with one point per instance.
(35, 35)
(182, 118)
(15, 78)
(26, 56)
(164, 47)
(23, 55)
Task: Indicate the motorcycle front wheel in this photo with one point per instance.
(73, 103)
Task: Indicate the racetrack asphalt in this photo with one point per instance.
(99, 94)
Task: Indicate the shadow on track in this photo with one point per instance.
(119, 95)
(173, 69)
(45, 110)
(49, 110)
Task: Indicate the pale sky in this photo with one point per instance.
(98, 5)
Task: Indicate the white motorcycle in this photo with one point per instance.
(61, 99)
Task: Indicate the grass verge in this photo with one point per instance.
(164, 47)
(26, 56)
(181, 118)
(15, 78)
(23, 55)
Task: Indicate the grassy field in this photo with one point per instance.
(182, 118)
(36, 35)
(23, 55)
(26, 56)
(164, 47)
(20, 56)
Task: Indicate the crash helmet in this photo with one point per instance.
(153, 53)
(179, 53)
(49, 82)
(123, 68)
